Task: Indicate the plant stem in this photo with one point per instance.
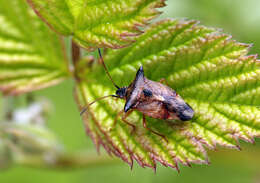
(76, 56)
(67, 161)
(75, 49)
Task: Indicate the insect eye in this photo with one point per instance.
(147, 93)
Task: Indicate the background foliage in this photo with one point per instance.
(242, 169)
(87, 22)
(29, 59)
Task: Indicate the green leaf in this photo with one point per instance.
(95, 24)
(31, 55)
(207, 68)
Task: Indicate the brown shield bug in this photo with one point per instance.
(151, 98)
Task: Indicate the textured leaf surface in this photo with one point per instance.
(31, 55)
(94, 24)
(206, 67)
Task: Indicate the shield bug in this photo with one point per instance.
(151, 98)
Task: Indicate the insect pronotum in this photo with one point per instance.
(151, 98)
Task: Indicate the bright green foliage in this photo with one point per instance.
(208, 69)
(31, 55)
(102, 23)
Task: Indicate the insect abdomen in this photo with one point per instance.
(180, 108)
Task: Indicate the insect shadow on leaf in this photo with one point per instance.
(151, 98)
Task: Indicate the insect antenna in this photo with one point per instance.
(98, 99)
(101, 98)
(103, 63)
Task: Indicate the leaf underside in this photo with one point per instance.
(96, 24)
(31, 55)
(207, 68)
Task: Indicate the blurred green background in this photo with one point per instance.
(240, 18)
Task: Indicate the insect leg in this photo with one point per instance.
(124, 116)
(124, 120)
(145, 126)
(164, 81)
(117, 116)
